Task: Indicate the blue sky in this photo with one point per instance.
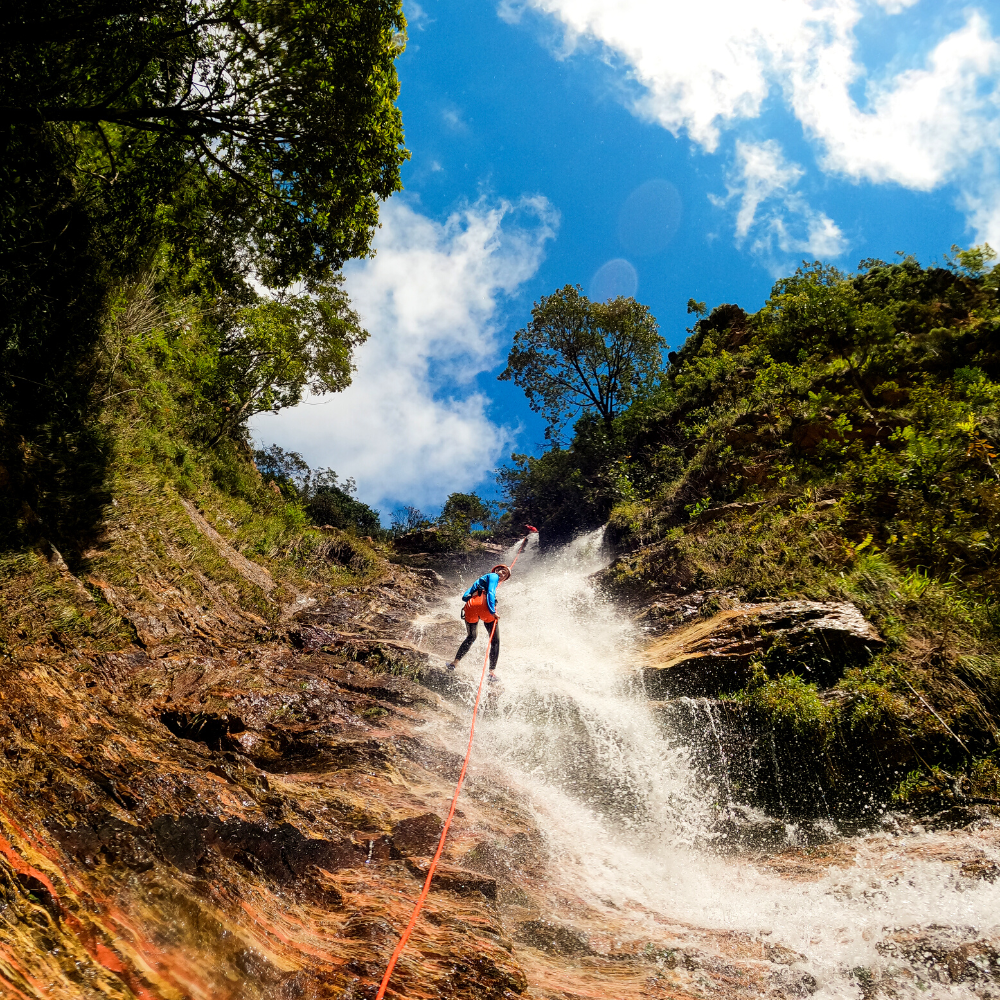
(675, 149)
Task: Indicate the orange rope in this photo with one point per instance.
(447, 823)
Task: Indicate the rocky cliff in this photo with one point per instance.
(241, 800)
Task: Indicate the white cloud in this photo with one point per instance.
(416, 16)
(410, 427)
(764, 172)
(924, 126)
(704, 68)
(699, 66)
(895, 6)
(773, 211)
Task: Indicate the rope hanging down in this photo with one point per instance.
(451, 812)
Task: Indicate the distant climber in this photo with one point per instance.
(481, 606)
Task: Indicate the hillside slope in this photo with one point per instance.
(837, 445)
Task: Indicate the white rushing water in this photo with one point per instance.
(627, 821)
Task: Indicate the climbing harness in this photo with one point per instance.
(451, 812)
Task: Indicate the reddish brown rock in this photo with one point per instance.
(451, 879)
(417, 835)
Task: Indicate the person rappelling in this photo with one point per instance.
(481, 606)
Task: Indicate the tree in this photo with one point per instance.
(285, 108)
(975, 263)
(406, 518)
(273, 351)
(333, 502)
(461, 511)
(325, 497)
(576, 355)
(205, 143)
(819, 310)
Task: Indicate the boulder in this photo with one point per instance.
(816, 639)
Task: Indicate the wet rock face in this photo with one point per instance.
(553, 938)
(244, 816)
(948, 955)
(417, 835)
(765, 779)
(241, 821)
(819, 640)
(700, 661)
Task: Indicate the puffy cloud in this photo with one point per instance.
(924, 125)
(704, 68)
(773, 211)
(695, 63)
(763, 172)
(411, 427)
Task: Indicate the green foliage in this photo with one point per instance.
(460, 512)
(789, 705)
(282, 112)
(180, 149)
(976, 262)
(270, 352)
(880, 386)
(323, 496)
(406, 518)
(52, 291)
(577, 356)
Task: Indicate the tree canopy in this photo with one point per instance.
(328, 500)
(283, 108)
(271, 352)
(461, 511)
(196, 150)
(576, 355)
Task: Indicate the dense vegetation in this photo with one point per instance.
(180, 183)
(841, 442)
(161, 161)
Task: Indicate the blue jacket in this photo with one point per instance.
(487, 582)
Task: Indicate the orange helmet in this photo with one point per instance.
(501, 566)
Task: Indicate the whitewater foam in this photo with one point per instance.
(627, 819)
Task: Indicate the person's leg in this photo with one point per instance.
(471, 628)
(494, 645)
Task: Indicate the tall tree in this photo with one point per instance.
(270, 353)
(208, 142)
(288, 104)
(461, 511)
(576, 355)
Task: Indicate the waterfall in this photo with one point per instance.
(629, 822)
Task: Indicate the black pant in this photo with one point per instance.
(472, 628)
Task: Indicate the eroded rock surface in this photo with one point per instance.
(239, 820)
(210, 817)
(713, 655)
(232, 814)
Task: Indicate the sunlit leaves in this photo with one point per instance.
(577, 356)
